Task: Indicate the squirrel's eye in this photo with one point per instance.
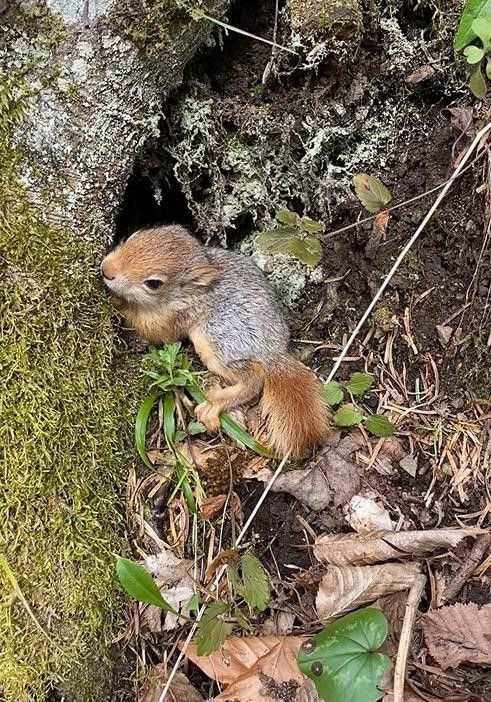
(153, 283)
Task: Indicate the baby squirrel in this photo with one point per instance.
(168, 286)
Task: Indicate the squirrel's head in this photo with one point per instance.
(156, 267)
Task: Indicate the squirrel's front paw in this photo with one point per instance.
(208, 414)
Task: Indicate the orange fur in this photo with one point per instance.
(296, 417)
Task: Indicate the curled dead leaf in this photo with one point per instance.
(459, 632)
(376, 547)
(343, 589)
(364, 514)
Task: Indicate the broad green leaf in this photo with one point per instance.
(257, 591)
(196, 428)
(379, 425)
(473, 9)
(277, 241)
(488, 68)
(473, 54)
(371, 192)
(359, 383)
(180, 435)
(482, 28)
(347, 415)
(287, 217)
(311, 225)
(342, 660)
(332, 393)
(141, 423)
(308, 250)
(139, 584)
(477, 84)
(212, 630)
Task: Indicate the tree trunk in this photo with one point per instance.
(82, 85)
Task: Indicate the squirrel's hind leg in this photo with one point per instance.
(249, 381)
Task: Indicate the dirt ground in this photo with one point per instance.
(438, 388)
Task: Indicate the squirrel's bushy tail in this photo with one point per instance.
(292, 407)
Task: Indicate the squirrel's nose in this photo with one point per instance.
(105, 273)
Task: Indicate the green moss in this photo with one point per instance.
(329, 19)
(145, 24)
(66, 405)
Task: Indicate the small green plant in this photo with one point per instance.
(219, 618)
(348, 413)
(170, 371)
(294, 236)
(475, 24)
(342, 660)
(371, 192)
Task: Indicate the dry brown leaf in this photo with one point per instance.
(380, 546)
(269, 678)
(459, 632)
(344, 589)
(212, 505)
(307, 693)
(328, 479)
(240, 654)
(181, 689)
(394, 608)
(420, 74)
(380, 223)
(462, 121)
(280, 624)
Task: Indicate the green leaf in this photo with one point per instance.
(473, 9)
(287, 217)
(311, 225)
(359, 383)
(308, 250)
(180, 436)
(477, 84)
(139, 584)
(347, 415)
(488, 68)
(371, 192)
(212, 630)
(378, 425)
(482, 28)
(169, 418)
(257, 591)
(193, 604)
(332, 393)
(141, 423)
(277, 241)
(342, 660)
(473, 54)
(196, 428)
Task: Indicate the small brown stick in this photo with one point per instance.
(481, 546)
(412, 605)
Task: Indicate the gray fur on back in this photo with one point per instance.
(246, 321)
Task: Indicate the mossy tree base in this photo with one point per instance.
(77, 99)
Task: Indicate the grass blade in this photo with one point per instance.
(141, 424)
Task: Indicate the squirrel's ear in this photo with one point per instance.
(202, 276)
